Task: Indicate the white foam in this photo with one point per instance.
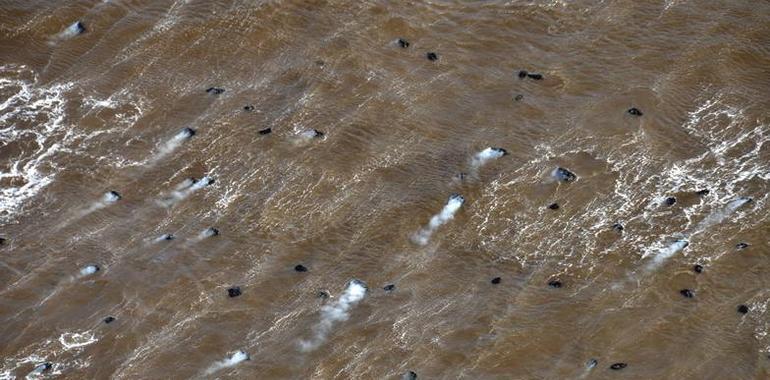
(173, 143)
(666, 253)
(486, 155)
(422, 237)
(76, 340)
(184, 190)
(89, 270)
(232, 359)
(718, 216)
(41, 106)
(333, 313)
(72, 30)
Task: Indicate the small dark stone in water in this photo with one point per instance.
(211, 231)
(411, 375)
(519, 97)
(189, 131)
(741, 245)
(670, 201)
(553, 206)
(617, 227)
(432, 56)
(535, 76)
(564, 175)
(323, 294)
(235, 291)
(215, 90)
(743, 309)
(2, 241)
(403, 43)
(634, 111)
(265, 131)
(592, 363)
(554, 283)
(109, 319)
(702, 192)
(318, 133)
(496, 280)
(687, 293)
(81, 27)
(697, 268)
(248, 108)
(389, 287)
(523, 74)
(618, 366)
(300, 268)
(167, 237)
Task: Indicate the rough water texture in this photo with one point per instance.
(363, 140)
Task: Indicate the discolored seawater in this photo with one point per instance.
(339, 179)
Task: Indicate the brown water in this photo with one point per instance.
(85, 114)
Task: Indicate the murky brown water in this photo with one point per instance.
(84, 114)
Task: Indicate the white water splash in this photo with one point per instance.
(184, 190)
(486, 155)
(88, 270)
(232, 359)
(337, 312)
(172, 144)
(422, 237)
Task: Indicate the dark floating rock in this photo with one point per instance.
(265, 131)
(554, 284)
(248, 108)
(553, 206)
(669, 201)
(211, 232)
(389, 287)
(496, 280)
(564, 175)
(188, 132)
(518, 97)
(432, 56)
(741, 245)
(42, 368)
(109, 319)
(687, 293)
(743, 309)
(403, 43)
(410, 375)
(617, 227)
(215, 90)
(79, 27)
(535, 76)
(166, 237)
(592, 363)
(235, 291)
(322, 294)
(697, 268)
(702, 192)
(618, 366)
(523, 74)
(2, 241)
(634, 111)
(300, 268)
